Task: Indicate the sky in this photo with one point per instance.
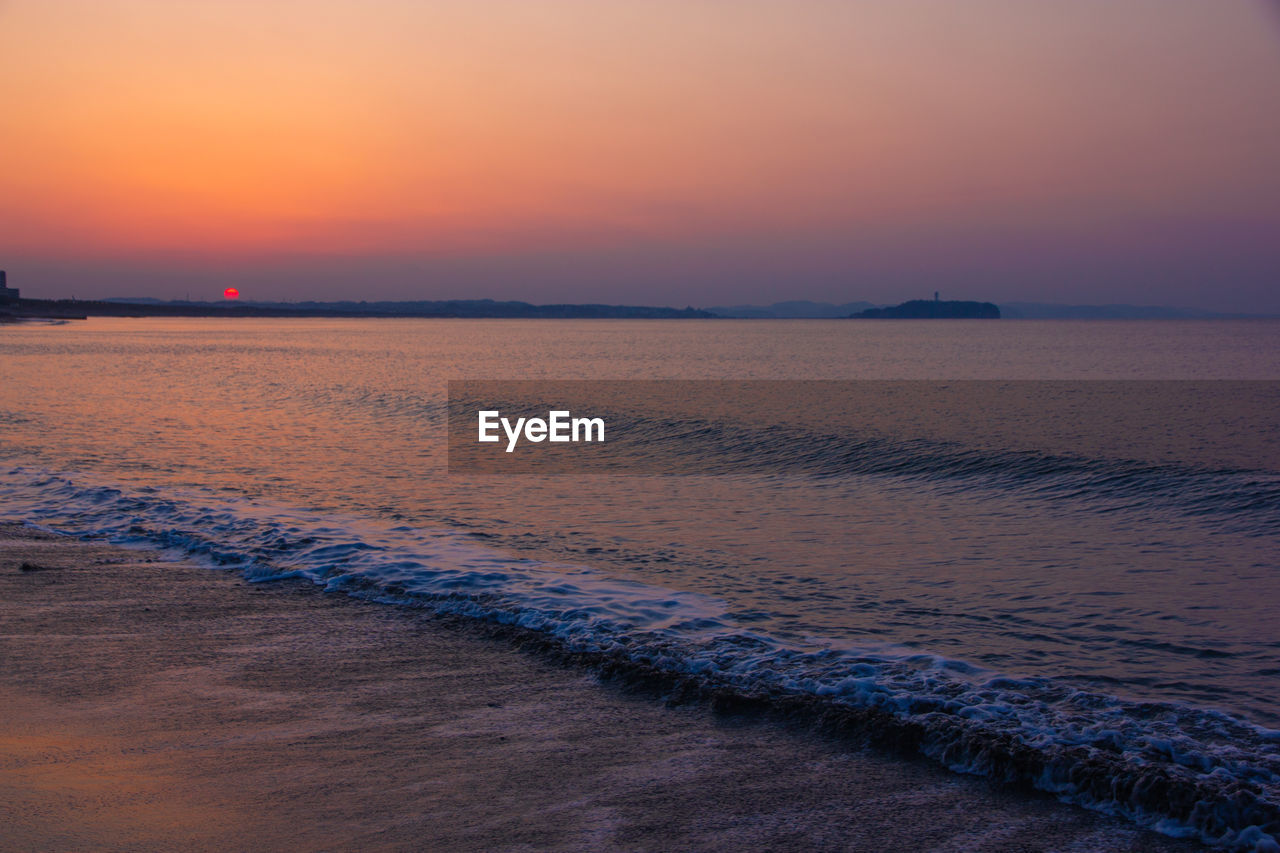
(668, 152)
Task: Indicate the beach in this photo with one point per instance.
(639, 426)
(152, 704)
(329, 605)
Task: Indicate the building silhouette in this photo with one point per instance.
(7, 294)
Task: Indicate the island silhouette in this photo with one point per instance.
(932, 309)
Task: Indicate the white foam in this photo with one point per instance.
(679, 632)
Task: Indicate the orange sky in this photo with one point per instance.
(440, 149)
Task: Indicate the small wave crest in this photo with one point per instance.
(1241, 498)
(1178, 769)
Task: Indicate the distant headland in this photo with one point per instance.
(14, 308)
(932, 309)
(916, 309)
(458, 308)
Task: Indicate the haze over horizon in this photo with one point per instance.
(659, 153)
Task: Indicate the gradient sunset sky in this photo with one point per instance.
(688, 152)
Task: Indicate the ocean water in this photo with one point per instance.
(1094, 616)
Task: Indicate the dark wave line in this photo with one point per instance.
(686, 446)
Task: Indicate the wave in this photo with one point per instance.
(1178, 769)
(1247, 498)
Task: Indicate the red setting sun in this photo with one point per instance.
(230, 293)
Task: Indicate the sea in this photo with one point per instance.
(1048, 554)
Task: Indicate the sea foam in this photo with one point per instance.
(1175, 768)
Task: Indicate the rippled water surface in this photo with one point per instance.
(1128, 609)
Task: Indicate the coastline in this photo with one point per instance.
(152, 704)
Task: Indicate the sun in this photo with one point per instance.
(230, 293)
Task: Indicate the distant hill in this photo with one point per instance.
(474, 308)
(1045, 311)
(932, 309)
(482, 308)
(799, 309)
(803, 309)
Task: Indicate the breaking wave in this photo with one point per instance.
(1179, 769)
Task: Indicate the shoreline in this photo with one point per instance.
(153, 704)
(478, 309)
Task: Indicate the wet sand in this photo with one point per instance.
(152, 705)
